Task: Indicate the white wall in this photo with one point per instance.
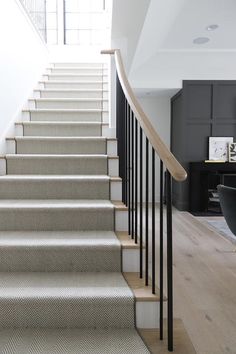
(158, 110)
(23, 58)
(127, 22)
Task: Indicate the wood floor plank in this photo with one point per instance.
(183, 344)
(204, 285)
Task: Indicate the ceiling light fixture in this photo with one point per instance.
(201, 40)
(212, 27)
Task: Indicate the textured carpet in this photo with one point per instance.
(65, 300)
(54, 187)
(68, 251)
(61, 286)
(73, 341)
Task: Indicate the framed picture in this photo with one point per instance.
(219, 148)
(232, 152)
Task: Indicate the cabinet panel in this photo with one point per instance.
(225, 101)
(197, 141)
(198, 101)
(224, 129)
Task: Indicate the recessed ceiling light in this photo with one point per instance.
(201, 40)
(212, 27)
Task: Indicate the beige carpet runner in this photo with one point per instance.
(61, 286)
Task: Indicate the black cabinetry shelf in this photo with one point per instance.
(204, 178)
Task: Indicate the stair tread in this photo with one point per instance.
(68, 99)
(58, 238)
(59, 123)
(72, 74)
(66, 285)
(68, 341)
(61, 138)
(72, 82)
(56, 177)
(54, 203)
(17, 156)
(85, 110)
(71, 89)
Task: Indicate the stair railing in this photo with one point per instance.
(131, 125)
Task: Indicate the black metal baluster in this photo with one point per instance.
(132, 175)
(161, 250)
(153, 225)
(136, 182)
(141, 201)
(146, 210)
(128, 169)
(169, 261)
(125, 156)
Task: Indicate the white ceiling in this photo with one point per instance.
(192, 21)
(164, 54)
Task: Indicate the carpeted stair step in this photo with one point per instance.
(60, 251)
(71, 341)
(61, 145)
(56, 215)
(65, 115)
(83, 85)
(77, 70)
(69, 93)
(54, 187)
(78, 65)
(57, 164)
(68, 103)
(75, 77)
(65, 300)
(62, 129)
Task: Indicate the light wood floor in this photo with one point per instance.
(204, 285)
(182, 342)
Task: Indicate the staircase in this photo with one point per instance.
(61, 286)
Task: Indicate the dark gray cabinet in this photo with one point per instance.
(201, 109)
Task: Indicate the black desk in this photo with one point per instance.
(204, 177)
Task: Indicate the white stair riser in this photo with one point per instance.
(3, 166)
(10, 146)
(62, 116)
(111, 147)
(121, 220)
(74, 85)
(72, 146)
(71, 94)
(116, 190)
(67, 130)
(67, 104)
(56, 219)
(131, 259)
(113, 167)
(147, 314)
(108, 132)
(70, 165)
(42, 188)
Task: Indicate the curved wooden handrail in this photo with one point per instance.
(170, 162)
